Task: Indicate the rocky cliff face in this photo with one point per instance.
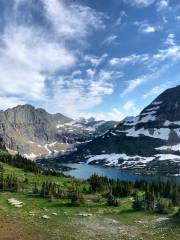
(36, 133)
(161, 119)
(150, 141)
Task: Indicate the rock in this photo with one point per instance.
(33, 132)
(31, 214)
(15, 203)
(160, 219)
(55, 214)
(45, 217)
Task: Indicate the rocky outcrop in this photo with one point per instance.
(36, 133)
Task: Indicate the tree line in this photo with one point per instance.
(161, 196)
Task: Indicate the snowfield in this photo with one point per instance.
(124, 161)
(175, 148)
(161, 133)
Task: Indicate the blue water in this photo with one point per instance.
(84, 171)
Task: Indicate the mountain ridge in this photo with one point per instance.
(35, 133)
(149, 141)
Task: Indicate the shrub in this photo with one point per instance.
(164, 206)
(112, 201)
(77, 200)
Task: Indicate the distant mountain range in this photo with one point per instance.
(149, 142)
(35, 133)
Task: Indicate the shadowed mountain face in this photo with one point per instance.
(36, 133)
(150, 141)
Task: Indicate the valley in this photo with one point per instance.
(56, 218)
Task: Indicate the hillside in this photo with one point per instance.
(147, 142)
(36, 133)
(50, 214)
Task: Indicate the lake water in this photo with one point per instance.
(84, 171)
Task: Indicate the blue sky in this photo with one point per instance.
(106, 59)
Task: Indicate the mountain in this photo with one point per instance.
(148, 142)
(36, 133)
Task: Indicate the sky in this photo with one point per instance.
(105, 58)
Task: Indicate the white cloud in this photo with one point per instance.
(110, 39)
(162, 4)
(156, 63)
(119, 20)
(9, 102)
(149, 29)
(131, 59)
(170, 40)
(30, 54)
(130, 108)
(26, 57)
(146, 28)
(178, 18)
(83, 93)
(94, 60)
(115, 114)
(73, 22)
(140, 3)
(155, 91)
(134, 83)
(170, 53)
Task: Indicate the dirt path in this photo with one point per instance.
(14, 229)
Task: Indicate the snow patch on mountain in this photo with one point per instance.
(161, 133)
(163, 157)
(125, 161)
(31, 156)
(156, 102)
(147, 117)
(113, 159)
(175, 148)
(151, 109)
(168, 123)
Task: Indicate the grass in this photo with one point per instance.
(105, 223)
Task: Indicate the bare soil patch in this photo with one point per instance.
(15, 229)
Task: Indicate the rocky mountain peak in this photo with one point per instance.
(35, 132)
(150, 140)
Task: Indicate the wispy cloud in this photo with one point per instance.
(140, 3)
(134, 83)
(146, 28)
(83, 92)
(155, 91)
(129, 108)
(177, 18)
(110, 39)
(94, 60)
(162, 5)
(131, 59)
(156, 64)
(8, 102)
(29, 56)
(170, 41)
(119, 20)
(74, 21)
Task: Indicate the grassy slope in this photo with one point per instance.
(105, 223)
